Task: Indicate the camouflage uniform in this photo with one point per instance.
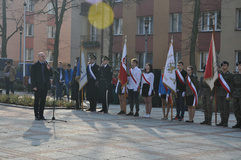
(222, 102)
(237, 98)
(206, 93)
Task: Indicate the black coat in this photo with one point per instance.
(37, 78)
(74, 86)
(57, 76)
(92, 85)
(181, 87)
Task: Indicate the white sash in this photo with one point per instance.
(193, 88)
(180, 77)
(90, 71)
(224, 85)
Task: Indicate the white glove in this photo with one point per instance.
(167, 96)
(160, 94)
(183, 94)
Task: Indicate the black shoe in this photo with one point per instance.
(93, 110)
(42, 118)
(89, 109)
(136, 114)
(209, 123)
(180, 119)
(236, 126)
(130, 114)
(188, 121)
(105, 112)
(121, 112)
(220, 124)
(225, 125)
(101, 110)
(176, 118)
(37, 118)
(204, 122)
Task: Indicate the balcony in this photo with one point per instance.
(84, 8)
(90, 41)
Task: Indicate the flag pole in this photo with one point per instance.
(171, 92)
(215, 82)
(125, 95)
(82, 94)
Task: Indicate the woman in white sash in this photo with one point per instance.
(191, 93)
(147, 81)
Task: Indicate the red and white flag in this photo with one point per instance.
(123, 68)
(211, 72)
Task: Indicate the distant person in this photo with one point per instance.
(59, 80)
(10, 73)
(147, 89)
(40, 80)
(68, 79)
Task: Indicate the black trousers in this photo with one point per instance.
(133, 98)
(9, 85)
(39, 101)
(180, 105)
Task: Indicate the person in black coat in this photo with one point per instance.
(59, 80)
(92, 85)
(40, 81)
(105, 84)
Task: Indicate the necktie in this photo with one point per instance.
(42, 65)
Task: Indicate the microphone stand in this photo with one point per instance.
(53, 118)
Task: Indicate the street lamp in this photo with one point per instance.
(24, 39)
(20, 32)
(146, 28)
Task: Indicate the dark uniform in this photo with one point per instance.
(180, 100)
(222, 102)
(92, 85)
(237, 98)
(105, 85)
(206, 93)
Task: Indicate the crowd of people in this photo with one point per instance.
(98, 89)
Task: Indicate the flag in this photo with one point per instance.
(123, 68)
(211, 72)
(81, 71)
(169, 78)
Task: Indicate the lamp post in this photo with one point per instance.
(20, 32)
(24, 39)
(146, 28)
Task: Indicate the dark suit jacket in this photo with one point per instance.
(36, 76)
(106, 76)
(57, 76)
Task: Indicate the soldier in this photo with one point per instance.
(105, 83)
(237, 95)
(224, 91)
(180, 74)
(207, 97)
(92, 85)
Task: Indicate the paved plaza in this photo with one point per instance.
(99, 136)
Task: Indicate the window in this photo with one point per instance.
(203, 60)
(29, 55)
(141, 59)
(118, 26)
(177, 58)
(29, 29)
(141, 25)
(238, 56)
(93, 33)
(50, 8)
(51, 32)
(208, 19)
(239, 19)
(116, 60)
(49, 56)
(29, 5)
(176, 22)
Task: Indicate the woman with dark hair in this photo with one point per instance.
(147, 90)
(191, 93)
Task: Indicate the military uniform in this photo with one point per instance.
(92, 85)
(206, 93)
(222, 102)
(104, 86)
(237, 98)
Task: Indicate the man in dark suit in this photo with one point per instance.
(59, 80)
(92, 85)
(40, 81)
(105, 83)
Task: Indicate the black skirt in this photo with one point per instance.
(145, 90)
(163, 96)
(119, 90)
(189, 100)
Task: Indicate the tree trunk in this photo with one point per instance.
(194, 34)
(4, 30)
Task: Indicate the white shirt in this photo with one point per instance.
(136, 73)
(150, 78)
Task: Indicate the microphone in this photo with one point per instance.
(46, 62)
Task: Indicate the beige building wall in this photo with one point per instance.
(230, 37)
